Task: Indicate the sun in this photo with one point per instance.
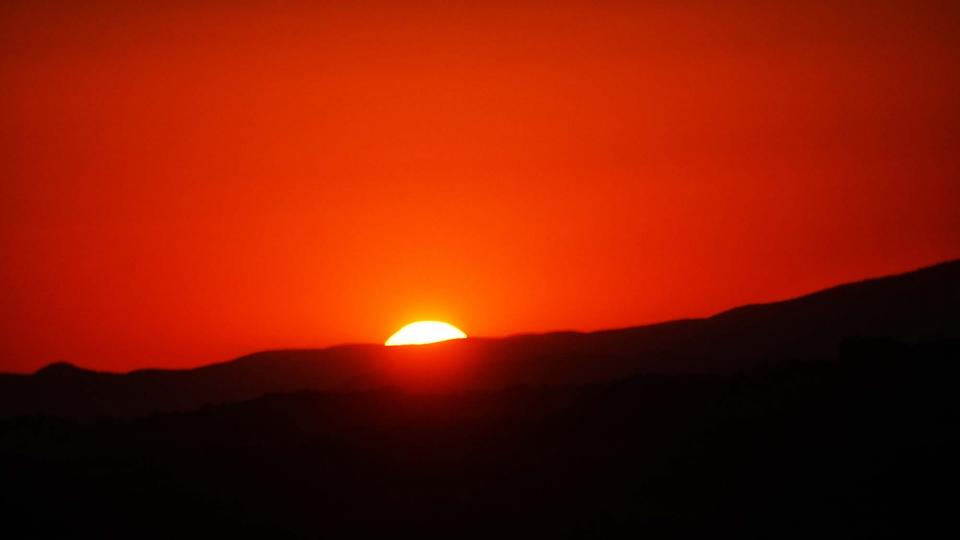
(421, 332)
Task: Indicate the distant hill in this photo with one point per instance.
(916, 307)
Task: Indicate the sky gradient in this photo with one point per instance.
(184, 182)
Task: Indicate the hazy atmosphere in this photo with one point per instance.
(184, 182)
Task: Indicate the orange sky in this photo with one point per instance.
(186, 182)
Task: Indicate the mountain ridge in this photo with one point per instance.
(948, 265)
(916, 306)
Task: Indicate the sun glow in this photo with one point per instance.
(422, 332)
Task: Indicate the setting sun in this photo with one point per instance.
(422, 332)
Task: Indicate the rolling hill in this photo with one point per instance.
(916, 307)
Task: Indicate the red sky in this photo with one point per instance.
(183, 182)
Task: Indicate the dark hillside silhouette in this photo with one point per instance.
(832, 414)
(915, 307)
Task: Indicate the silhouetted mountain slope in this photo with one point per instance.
(915, 307)
(861, 447)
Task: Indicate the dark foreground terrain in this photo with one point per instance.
(862, 445)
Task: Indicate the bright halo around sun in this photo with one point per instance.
(422, 332)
